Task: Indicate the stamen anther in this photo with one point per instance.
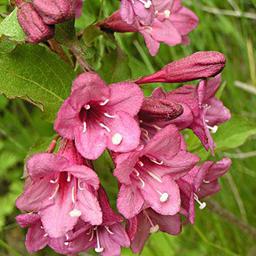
(213, 129)
(117, 138)
(202, 205)
(105, 127)
(84, 127)
(75, 213)
(109, 116)
(104, 102)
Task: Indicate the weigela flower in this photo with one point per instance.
(62, 190)
(97, 116)
(147, 222)
(31, 22)
(170, 24)
(202, 111)
(201, 182)
(107, 238)
(55, 11)
(148, 174)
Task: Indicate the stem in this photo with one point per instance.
(230, 217)
(78, 54)
(53, 144)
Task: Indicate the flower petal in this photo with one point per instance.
(125, 133)
(89, 206)
(130, 201)
(126, 97)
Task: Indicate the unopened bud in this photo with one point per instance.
(32, 24)
(55, 11)
(115, 23)
(199, 65)
(154, 109)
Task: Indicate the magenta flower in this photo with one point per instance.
(141, 11)
(107, 238)
(62, 190)
(97, 116)
(200, 182)
(78, 8)
(171, 25)
(148, 174)
(171, 22)
(147, 222)
(202, 111)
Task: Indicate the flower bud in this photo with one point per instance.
(55, 11)
(32, 24)
(199, 65)
(116, 24)
(154, 109)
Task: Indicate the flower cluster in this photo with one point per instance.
(159, 179)
(38, 17)
(156, 20)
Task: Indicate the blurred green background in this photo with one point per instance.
(227, 26)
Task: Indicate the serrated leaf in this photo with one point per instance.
(11, 28)
(37, 75)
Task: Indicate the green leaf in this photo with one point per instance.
(65, 33)
(115, 66)
(37, 75)
(11, 28)
(234, 133)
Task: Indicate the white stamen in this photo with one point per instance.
(140, 163)
(154, 176)
(75, 213)
(54, 181)
(109, 116)
(55, 192)
(167, 13)
(84, 127)
(213, 129)
(66, 243)
(98, 249)
(104, 102)
(164, 197)
(147, 4)
(154, 229)
(105, 127)
(92, 235)
(137, 173)
(69, 177)
(156, 162)
(117, 138)
(206, 181)
(142, 182)
(109, 231)
(73, 195)
(45, 235)
(87, 107)
(202, 205)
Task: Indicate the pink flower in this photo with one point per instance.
(107, 238)
(137, 11)
(97, 116)
(200, 182)
(171, 25)
(148, 174)
(164, 21)
(202, 111)
(78, 8)
(62, 190)
(148, 222)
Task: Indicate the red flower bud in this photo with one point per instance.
(199, 65)
(32, 24)
(116, 24)
(154, 109)
(55, 11)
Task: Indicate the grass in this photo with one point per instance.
(225, 27)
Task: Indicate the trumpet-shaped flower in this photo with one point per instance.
(148, 174)
(97, 116)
